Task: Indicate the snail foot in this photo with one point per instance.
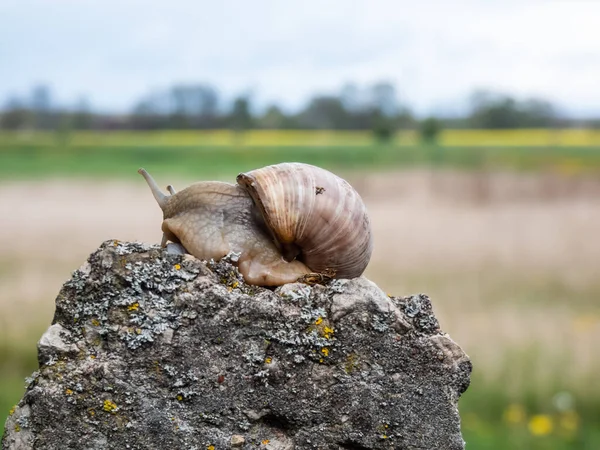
(321, 278)
(176, 249)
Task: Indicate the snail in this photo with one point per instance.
(285, 221)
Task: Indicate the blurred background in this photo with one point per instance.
(471, 129)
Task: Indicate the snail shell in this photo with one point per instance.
(314, 216)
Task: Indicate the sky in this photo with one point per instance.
(436, 53)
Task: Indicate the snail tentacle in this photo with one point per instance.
(160, 197)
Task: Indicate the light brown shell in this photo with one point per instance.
(311, 210)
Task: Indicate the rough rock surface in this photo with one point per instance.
(154, 350)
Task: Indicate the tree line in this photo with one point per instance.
(199, 106)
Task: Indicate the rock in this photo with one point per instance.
(53, 343)
(237, 441)
(151, 349)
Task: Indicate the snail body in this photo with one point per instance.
(285, 221)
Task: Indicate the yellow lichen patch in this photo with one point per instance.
(540, 425)
(322, 327)
(17, 428)
(92, 356)
(268, 360)
(68, 392)
(327, 332)
(12, 410)
(351, 362)
(109, 406)
(177, 266)
(232, 286)
(95, 322)
(91, 412)
(382, 429)
(133, 307)
(179, 397)
(265, 442)
(325, 351)
(210, 447)
(138, 331)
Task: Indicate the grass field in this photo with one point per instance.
(221, 152)
(509, 257)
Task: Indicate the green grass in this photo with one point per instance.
(487, 422)
(10, 393)
(25, 160)
(17, 361)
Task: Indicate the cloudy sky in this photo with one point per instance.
(435, 52)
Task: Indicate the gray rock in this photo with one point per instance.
(156, 350)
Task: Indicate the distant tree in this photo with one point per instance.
(430, 129)
(324, 112)
(82, 117)
(201, 105)
(41, 99)
(41, 105)
(594, 123)
(16, 115)
(145, 117)
(181, 106)
(350, 97)
(538, 113)
(492, 110)
(273, 118)
(16, 118)
(240, 118)
(179, 113)
(383, 98)
(404, 119)
(382, 127)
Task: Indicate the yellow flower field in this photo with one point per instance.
(265, 138)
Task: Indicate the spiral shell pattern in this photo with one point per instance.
(317, 211)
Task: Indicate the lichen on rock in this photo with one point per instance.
(155, 349)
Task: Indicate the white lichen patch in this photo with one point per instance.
(419, 309)
(144, 296)
(295, 292)
(337, 286)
